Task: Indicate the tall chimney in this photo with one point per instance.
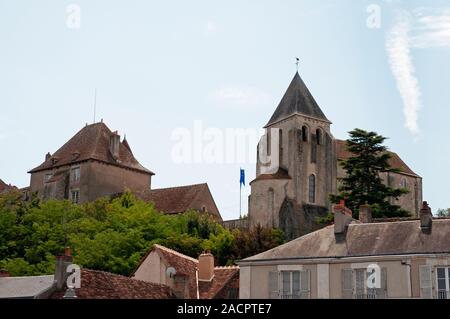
(62, 262)
(365, 214)
(114, 144)
(205, 267)
(342, 217)
(426, 218)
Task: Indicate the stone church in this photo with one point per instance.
(298, 167)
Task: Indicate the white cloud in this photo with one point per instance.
(240, 96)
(398, 48)
(425, 28)
(431, 29)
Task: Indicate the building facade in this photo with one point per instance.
(411, 258)
(298, 167)
(93, 163)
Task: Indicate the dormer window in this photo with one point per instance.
(75, 156)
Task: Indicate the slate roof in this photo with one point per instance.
(297, 100)
(24, 287)
(177, 200)
(366, 239)
(187, 266)
(103, 285)
(395, 161)
(92, 143)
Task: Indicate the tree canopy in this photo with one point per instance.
(112, 234)
(363, 183)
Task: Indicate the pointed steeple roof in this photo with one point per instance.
(297, 100)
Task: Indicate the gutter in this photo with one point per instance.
(334, 259)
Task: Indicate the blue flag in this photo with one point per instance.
(242, 181)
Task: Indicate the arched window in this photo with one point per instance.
(318, 136)
(312, 188)
(271, 198)
(304, 134)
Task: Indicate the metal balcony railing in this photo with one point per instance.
(443, 294)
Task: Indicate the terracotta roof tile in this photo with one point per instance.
(175, 200)
(187, 266)
(103, 285)
(91, 143)
(395, 161)
(6, 187)
(223, 276)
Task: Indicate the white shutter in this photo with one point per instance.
(426, 284)
(347, 283)
(273, 285)
(305, 284)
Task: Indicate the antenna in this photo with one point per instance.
(95, 103)
(297, 62)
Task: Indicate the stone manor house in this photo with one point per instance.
(297, 192)
(96, 163)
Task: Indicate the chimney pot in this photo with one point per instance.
(365, 214)
(114, 144)
(206, 267)
(342, 217)
(47, 156)
(61, 275)
(426, 218)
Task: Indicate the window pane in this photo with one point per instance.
(441, 272)
(286, 282)
(296, 282)
(441, 284)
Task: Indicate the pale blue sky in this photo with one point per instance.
(160, 65)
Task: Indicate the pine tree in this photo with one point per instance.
(362, 183)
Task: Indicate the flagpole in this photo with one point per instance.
(240, 201)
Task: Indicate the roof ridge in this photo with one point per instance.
(183, 186)
(122, 276)
(226, 267)
(175, 253)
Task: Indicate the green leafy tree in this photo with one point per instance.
(443, 212)
(363, 183)
(112, 234)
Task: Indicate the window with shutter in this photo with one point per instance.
(273, 285)
(382, 292)
(360, 283)
(305, 284)
(426, 286)
(443, 282)
(347, 283)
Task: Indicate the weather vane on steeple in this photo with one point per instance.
(297, 62)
